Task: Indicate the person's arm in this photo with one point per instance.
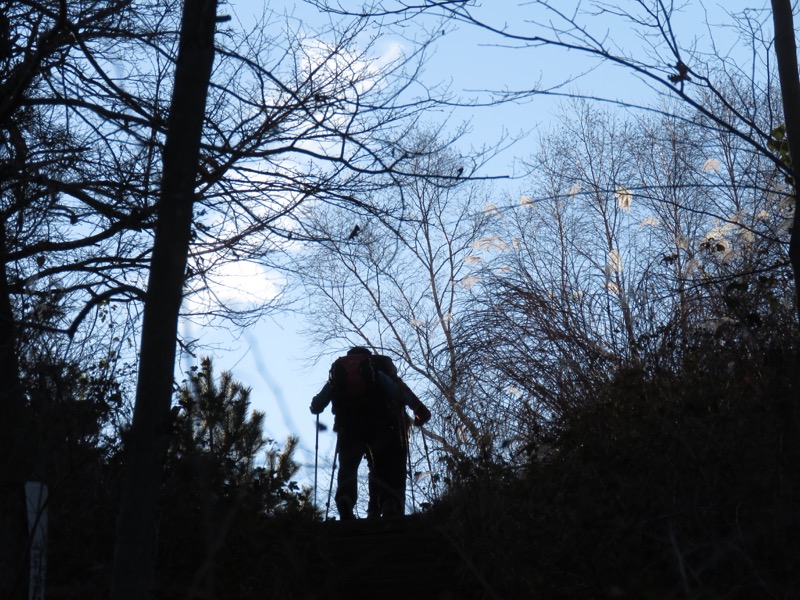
(421, 413)
(322, 399)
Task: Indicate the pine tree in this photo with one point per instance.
(225, 486)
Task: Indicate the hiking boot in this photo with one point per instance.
(392, 508)
(345, 508)
(373, 507)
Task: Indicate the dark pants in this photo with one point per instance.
(382, 439)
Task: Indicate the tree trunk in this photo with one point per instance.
(15, 451)
(786, 54)
(147, 441)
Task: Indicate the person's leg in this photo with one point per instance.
(389, 453)
(374, 505)
(351, 449)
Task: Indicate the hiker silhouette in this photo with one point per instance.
(368, 400)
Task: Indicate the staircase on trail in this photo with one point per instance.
(404, 557)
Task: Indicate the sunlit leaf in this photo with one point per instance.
(649, 222)
(489, 243)
(614, 261)
(624, 198)
(492, 210)
(468, 282)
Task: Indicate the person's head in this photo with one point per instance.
(358, 350)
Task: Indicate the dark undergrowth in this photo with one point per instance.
(665, 486)
(665, 483)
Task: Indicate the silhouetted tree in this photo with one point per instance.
(219, 498)
(146, 444)
(619, 259)
(65, 206)
(652, 44)
(77, 411)
(404, 288)
(789, 78)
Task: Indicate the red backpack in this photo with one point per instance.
(355, 383)
(353, 379)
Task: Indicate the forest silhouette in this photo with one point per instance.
(673, 485)
(609, 352)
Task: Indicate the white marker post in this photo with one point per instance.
(36, 494)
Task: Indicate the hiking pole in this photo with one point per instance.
(330, 486)
(316, 460)
(428, 458)
(410, 474)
